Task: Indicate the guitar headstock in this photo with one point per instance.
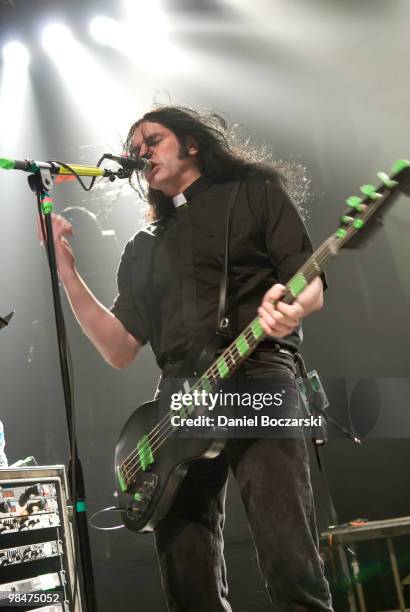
(357, 224)
(364, 215)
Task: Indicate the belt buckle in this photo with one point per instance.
(286, 352)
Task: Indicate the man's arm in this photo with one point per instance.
(106, 332)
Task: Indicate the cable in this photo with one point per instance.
(110, 509)
(74, 173)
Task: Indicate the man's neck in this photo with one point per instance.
(183, 183)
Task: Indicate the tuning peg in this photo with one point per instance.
(386, 180)
(370, 192)
(355, 202)
(400, 165)
(402, 168)
(358, 223)
(341, 232)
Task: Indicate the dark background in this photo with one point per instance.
(324, 84)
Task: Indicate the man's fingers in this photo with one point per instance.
(61, 227)
(269, 307)
(279, 330)
(286, 314)
(294, 311)
(268, 317)
(276, 323)
(274, 293)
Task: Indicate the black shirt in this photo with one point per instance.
(170, 272)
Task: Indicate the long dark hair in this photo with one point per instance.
(222, 155)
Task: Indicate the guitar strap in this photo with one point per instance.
(223, 320)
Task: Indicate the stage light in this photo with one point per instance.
(56, 35)
(146, 18)
(114, 34)
(153, 51)
(101, 101)
(12, 91)
(106, 31)
(15, 53)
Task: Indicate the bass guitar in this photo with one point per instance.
(150, 462)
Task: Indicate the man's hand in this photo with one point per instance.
(282, 319)
(64, 254)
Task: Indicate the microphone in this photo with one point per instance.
(140, 164)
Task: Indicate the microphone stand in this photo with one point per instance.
(41, 182)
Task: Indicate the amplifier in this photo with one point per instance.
(37, 563)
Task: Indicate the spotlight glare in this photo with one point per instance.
(13, 92)
(104, 30)
(147, 15)
(55, 35)
(100, 99)
(16, 53)
(148, 20)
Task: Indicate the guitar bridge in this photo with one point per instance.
(142, 496)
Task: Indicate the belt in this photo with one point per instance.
(266, 346)
(275, 347)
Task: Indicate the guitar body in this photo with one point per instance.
(146, 495)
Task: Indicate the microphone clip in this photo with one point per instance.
(129, 164)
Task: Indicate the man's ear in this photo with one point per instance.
(191, 146)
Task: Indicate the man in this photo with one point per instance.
(168, 282)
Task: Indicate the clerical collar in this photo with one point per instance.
(200, 184)
(179, 200)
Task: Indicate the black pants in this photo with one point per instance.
(274, 481)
